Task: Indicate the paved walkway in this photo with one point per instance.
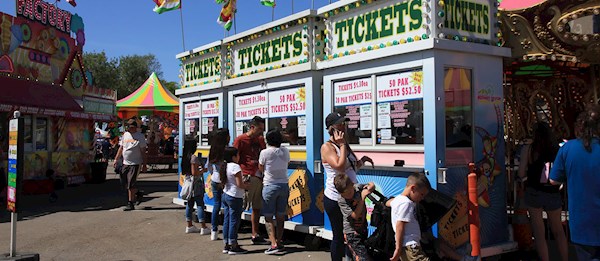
(87, 223)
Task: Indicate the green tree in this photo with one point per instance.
(104, 70)
(124, 74)
(170, 86)
(134, 70)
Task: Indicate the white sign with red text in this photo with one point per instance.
(248, 106)
(288, 102)
(400, 86)
(210, 109)
(192, 110)
(352, 92)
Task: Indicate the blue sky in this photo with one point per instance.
(126, 27)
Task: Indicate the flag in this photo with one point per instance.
(269, 3)
(166, 5)
(226, 17)
(72, 2)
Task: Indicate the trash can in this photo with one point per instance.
(98, 174)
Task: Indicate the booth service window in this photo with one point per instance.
(284, 109)
(391, 112)
(459, 120)
(202, 119)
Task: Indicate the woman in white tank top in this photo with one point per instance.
(337, 157)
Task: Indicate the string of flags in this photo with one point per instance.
(269, 3)
(227, 11)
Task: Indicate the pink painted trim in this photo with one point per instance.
(388, 158)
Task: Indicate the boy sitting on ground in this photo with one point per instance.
(352, 206)
(404, 219)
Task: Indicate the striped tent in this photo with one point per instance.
(149, 98)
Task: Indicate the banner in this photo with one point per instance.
(454, 226)
(353, 92)
(15, 154)
(299, 199)
(192, 110)
(289, 102)
(400, 86)
(248, 106)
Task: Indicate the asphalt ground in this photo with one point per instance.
(87, 223)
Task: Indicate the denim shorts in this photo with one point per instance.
(275, 197)
(547, 201)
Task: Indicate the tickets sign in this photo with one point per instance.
(248, 106)
(210, 109)
(15, 156)
(192, 110)
(353, 92)
(400, 86)
(289, 102)
(299, 199)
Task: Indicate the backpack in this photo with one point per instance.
(382, 243)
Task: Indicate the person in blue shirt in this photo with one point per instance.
(578, 164)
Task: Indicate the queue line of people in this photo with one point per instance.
(261, 173)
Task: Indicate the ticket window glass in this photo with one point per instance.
(41, 133)
(209, 121)
(287, 112)
(191, 123)
(400, 122)
(353, 99)
(458, 96)
(399, 98)
(28, 132)
(246, 108)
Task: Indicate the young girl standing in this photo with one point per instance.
(231, 175)
(215, 157)
(190, 165)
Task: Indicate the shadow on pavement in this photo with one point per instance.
(91, 197)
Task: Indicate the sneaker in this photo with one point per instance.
(192, 229)
(237, 250)
(213, 235)
(272, 250)
(204, 231)
(129, 207)
(280, 248)
(258, 240)
(226, 249)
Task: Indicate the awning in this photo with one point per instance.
(33, 94)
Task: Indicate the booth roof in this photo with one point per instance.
(148, 97)
(35, 94)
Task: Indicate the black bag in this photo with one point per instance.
(382, 243)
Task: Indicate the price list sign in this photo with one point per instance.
(15, 158)
(400, 86)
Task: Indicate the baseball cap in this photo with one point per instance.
(334, 118)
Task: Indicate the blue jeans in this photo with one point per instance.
(275, 199)
(233, 215)
(217, 194)
(189, 208)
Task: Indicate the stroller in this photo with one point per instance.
(381, 244)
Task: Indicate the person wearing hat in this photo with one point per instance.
(133, 151)
(337, 158)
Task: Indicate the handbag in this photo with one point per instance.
(187, 188)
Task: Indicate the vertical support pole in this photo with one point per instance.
(473, 207)
(13, 234)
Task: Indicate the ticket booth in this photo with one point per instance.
(421, 82)
(202, 106)
(269, 73)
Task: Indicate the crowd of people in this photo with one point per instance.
(252, 175)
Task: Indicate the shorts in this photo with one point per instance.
(547, 201)
(356, 245)
(253, 196)
(275, 197)
(413, 253)
(129, 176)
